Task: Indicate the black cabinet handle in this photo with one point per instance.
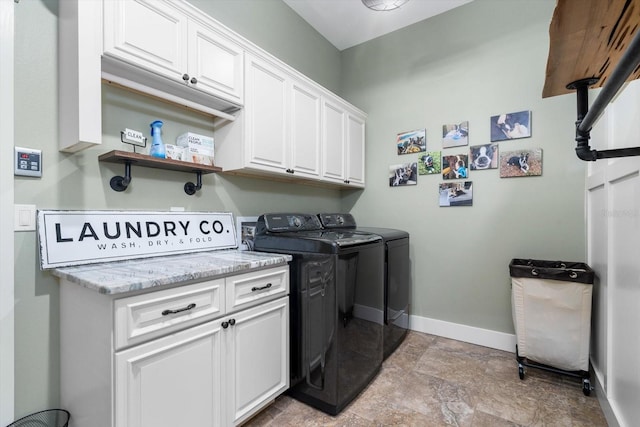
(193, 80)
(189, 307)
(225, 325)
(255, 288)
(232, 322)
(185, 77)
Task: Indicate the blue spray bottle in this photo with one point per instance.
(157, 146)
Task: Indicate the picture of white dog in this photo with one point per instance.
(511, 126)
(483, 156)
(521, 163)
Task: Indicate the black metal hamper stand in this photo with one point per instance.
(551, 307)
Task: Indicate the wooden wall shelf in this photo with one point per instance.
(120, 183)
(587, 39)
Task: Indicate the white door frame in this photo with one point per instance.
(7, 403)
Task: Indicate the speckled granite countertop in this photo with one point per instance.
(134, 275)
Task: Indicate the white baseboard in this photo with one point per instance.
(607, 409)
(470, 334)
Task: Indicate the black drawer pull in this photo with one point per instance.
(255, 288)
(189, 307)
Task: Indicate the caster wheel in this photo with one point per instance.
(521, 371)
(586, 387)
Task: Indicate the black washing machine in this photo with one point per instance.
(337, 300)
(397, 277)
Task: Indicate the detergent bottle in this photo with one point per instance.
(157, 146)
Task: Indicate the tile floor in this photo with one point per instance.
(434, 381)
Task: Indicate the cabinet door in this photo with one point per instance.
(150, 34)
(305, 130)
(258, 351)
(215, 63)
(171, 381)
(265, 113)
(333, 141)
(355, 150)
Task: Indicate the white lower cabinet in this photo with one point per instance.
(171, 381)
(257, 352)
(208, 353)
(216, 374)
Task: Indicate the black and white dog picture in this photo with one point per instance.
(403, 174)
(483, 156)
(511, 126)
(521, 163)
(429, 163)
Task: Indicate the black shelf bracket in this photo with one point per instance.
(586, 118)
(120, 183)
(190, 188)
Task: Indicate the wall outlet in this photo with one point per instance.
(24, 218)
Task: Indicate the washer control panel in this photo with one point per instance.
(27, 162)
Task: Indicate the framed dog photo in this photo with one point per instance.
(403, 174)
(521, 163)
(412, 142)
(429, 163)
(245, 232)
(455, 135)
(456, 193)
(511, 126)
(455, 166)
(483, 156)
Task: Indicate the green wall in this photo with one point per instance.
(79, 181)
(485, 58)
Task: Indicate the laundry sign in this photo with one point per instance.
(69, 238)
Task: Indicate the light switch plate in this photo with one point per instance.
(24, 218)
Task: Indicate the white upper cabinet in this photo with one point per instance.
(333, 141)
(149, 34)
(162, 38)
(355, 149)
(215, 62)
(342, 143)
(279, 128)
(291, 128)
(266, 107)
(305, 129)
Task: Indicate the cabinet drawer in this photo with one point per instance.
(142, 317)
(246, 290)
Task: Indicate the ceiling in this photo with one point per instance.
(346, 23)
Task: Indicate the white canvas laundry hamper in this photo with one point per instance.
(551, 308)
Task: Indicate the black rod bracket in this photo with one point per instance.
(583, 150)
(586, 119)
